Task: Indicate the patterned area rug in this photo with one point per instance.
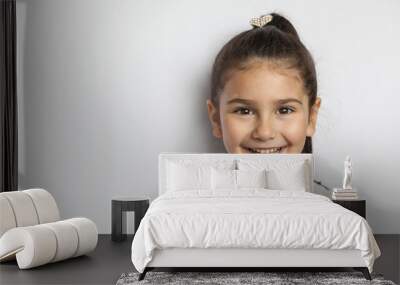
(275, 278)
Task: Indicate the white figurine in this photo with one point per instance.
(347, 174)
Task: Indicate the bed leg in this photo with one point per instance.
(364, 271)
(142, 275)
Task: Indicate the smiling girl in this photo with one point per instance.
(264, 90)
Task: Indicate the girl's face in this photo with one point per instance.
(263, 109)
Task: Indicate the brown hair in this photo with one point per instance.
(277, 42)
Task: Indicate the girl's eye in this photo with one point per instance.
(285, 110)
(243, 111)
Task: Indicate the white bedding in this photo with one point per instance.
(250, 218)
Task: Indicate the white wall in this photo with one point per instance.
(106, 85)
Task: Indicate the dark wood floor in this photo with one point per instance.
(103, 266)
(111, 259)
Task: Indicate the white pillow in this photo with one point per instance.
(188, 177)
(236, 179)
(223, 179)
(293, 178)
(251, 178)
(282, 174)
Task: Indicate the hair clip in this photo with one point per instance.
(261, 21)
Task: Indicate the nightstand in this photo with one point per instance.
(357, 206)
(119, 207)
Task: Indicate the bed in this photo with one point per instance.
(245, 211)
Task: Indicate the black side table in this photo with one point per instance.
(357, 206)
(119, 207)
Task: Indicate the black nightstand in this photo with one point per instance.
(357, 206)
(119, 207)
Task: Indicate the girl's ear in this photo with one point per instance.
(312, 122)
(213, 116)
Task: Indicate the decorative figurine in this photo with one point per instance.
(347, 174)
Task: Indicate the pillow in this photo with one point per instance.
(251, 178)
(282, 174)
(236, 179)
(293, 177)
(223, 179)
(188, 177)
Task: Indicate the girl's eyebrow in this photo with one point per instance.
(284, 101)
(240, 100)
(252, 102)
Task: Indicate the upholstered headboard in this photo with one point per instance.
(234, 161)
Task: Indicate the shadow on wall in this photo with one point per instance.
(208, 144)
(31, 138)
(213, 145)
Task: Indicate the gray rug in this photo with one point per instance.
(228, 278)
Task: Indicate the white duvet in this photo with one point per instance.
(250, 218)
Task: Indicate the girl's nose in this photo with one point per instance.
(264, 129)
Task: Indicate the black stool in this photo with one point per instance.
(119, 207)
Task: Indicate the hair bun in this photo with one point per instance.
(276, 20)
(284, 25)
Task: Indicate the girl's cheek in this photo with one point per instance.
(294, 131)
(236, 128)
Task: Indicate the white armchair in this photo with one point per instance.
(31, 230)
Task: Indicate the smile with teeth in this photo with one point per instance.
(265, 150)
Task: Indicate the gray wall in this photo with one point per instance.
(106, 85)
